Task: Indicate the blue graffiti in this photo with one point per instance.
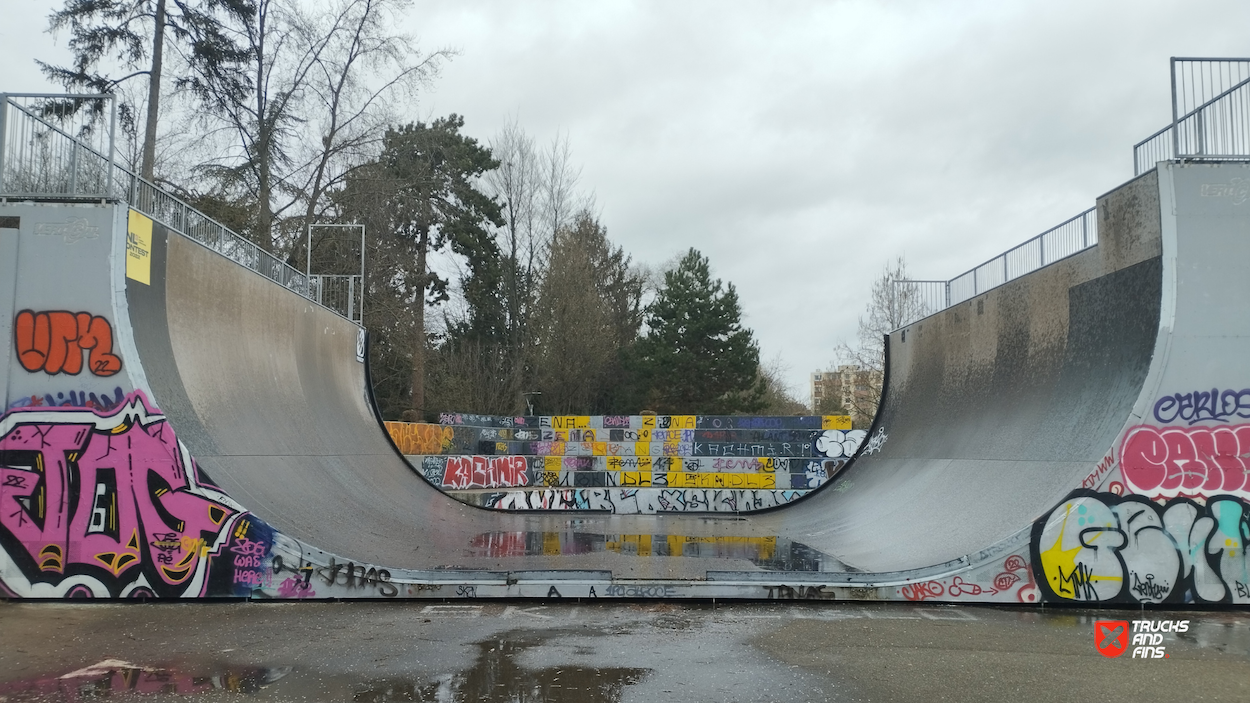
(71, 399)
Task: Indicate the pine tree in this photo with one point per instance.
(697, 358)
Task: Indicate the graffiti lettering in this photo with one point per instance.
(485, 472)
(1203, 405)
(97, 504)
(1104, 547)
(621, 591)
(420, 438)
(800, 593)
(921, 591)
(1174, 462)
(53, 342)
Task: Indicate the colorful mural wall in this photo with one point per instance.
(628, 464)
(108, 504)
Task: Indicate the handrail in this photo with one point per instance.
(42, 151)
(913, 300)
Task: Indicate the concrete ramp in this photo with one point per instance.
(1072, 435)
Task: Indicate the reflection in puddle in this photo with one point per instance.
(496, 677)
(116, 678)
(770, 553)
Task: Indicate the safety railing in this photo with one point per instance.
(915, 300)
(1210, 114)
(341, 294)
(50, 149)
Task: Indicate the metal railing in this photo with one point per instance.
(40, 159)
(1210, 114)
(916, 300)
(341, 294)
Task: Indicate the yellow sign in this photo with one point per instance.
(139, 248)
(835, 422)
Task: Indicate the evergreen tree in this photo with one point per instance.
(420, 196)
(697, 358)
(132, 33)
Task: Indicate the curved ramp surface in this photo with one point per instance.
(1022, 430)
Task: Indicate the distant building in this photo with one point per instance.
(846, 390)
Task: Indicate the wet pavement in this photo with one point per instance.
(604, 652)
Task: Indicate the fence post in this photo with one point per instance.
(1085, 228)
(73, 167)
(1041, 248)
(948, 294)
(361, 306)
(351, 295)
(108, 181)
(1176, 145)
(1004, 268)
(4, 126)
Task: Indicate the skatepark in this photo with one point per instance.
(1070, 425)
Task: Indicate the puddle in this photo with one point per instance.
(113, 678)
(494, 676)
(769, 553)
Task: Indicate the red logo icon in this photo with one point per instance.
(1111, 637)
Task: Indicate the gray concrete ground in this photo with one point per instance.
(600, 652)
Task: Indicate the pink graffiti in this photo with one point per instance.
(1015, 562)
(1195, 462)
(106, 497)
(485, 472)
(294, 587)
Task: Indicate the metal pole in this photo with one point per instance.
(1176, 144)
(308, 254)
(362, 277)
(112, 139)
(4, 124)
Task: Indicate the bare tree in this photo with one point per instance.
(517, 186)
(334, 73)
(890, 306)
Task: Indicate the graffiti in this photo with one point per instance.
(800, 593)
(294, 587)
(73, 230)
(1104, 466)
(420, 438)
(336, 574)
(53, 342)
(105, 505)
(1103, 547)
(876, 442)
(1174, 462)
(637, 500)
(922, 591)
(486, 472)
(1237, 188)
(836, 443)
(74, 399)
(621, 591)
(1198, 406)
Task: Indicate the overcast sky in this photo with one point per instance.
(803, 145)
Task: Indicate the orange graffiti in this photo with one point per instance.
(53, 342)
(420, 438)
